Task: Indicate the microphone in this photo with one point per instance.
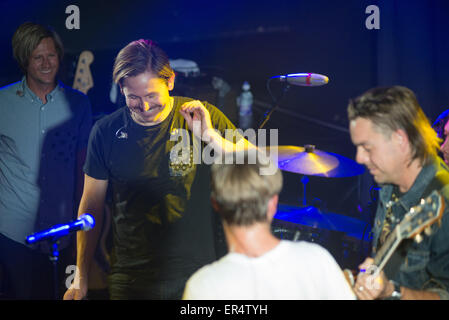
(304, 79)
(84, 223)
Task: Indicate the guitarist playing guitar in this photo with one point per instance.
(395, 141)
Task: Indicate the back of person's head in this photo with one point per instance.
(27, 37)
(440, 123)
(141, 56)
(396, 108)
(242, 191)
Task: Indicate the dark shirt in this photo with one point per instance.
(162, 218)
(425, 265)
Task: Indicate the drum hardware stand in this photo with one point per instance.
(304, 181)
(309, 148)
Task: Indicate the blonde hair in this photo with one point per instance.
(242, 192)
(27, 37)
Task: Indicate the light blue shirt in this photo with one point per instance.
(39, 144)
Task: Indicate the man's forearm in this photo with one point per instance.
(224, 145)
(410, 294)
(79, 175)
(87, 241)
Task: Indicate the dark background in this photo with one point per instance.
(254, 40)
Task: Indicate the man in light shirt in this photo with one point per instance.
(44, 130)
(259, 265)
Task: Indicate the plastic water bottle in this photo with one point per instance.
(245, 105)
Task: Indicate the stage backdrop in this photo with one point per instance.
(252, 41)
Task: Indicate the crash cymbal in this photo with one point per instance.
(310, 161)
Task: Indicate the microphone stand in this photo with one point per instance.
(54, 258)
(269, 112)
(84, 223)
(267, 116)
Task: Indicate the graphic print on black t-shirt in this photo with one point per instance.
(161, 216)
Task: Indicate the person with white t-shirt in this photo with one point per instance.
(259, 265)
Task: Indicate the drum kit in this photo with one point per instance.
(309, 161)
(308, 222)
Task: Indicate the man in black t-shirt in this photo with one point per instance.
(149, 153)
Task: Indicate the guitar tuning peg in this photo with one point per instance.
(418, 238)
(428, 231)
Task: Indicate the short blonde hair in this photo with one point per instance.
(242, 192)
(27, 37)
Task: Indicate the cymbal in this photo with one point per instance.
(310, 161)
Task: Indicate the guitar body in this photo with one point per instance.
(420, 218)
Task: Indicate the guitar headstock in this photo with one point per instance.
(83, 78)
(421, 217)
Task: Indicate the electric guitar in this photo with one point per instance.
(83, 78)
(420, 218)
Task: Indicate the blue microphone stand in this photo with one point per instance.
(54, 258)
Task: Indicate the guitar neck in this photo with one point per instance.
(419, 218)
(83, 78)
(386, 251)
